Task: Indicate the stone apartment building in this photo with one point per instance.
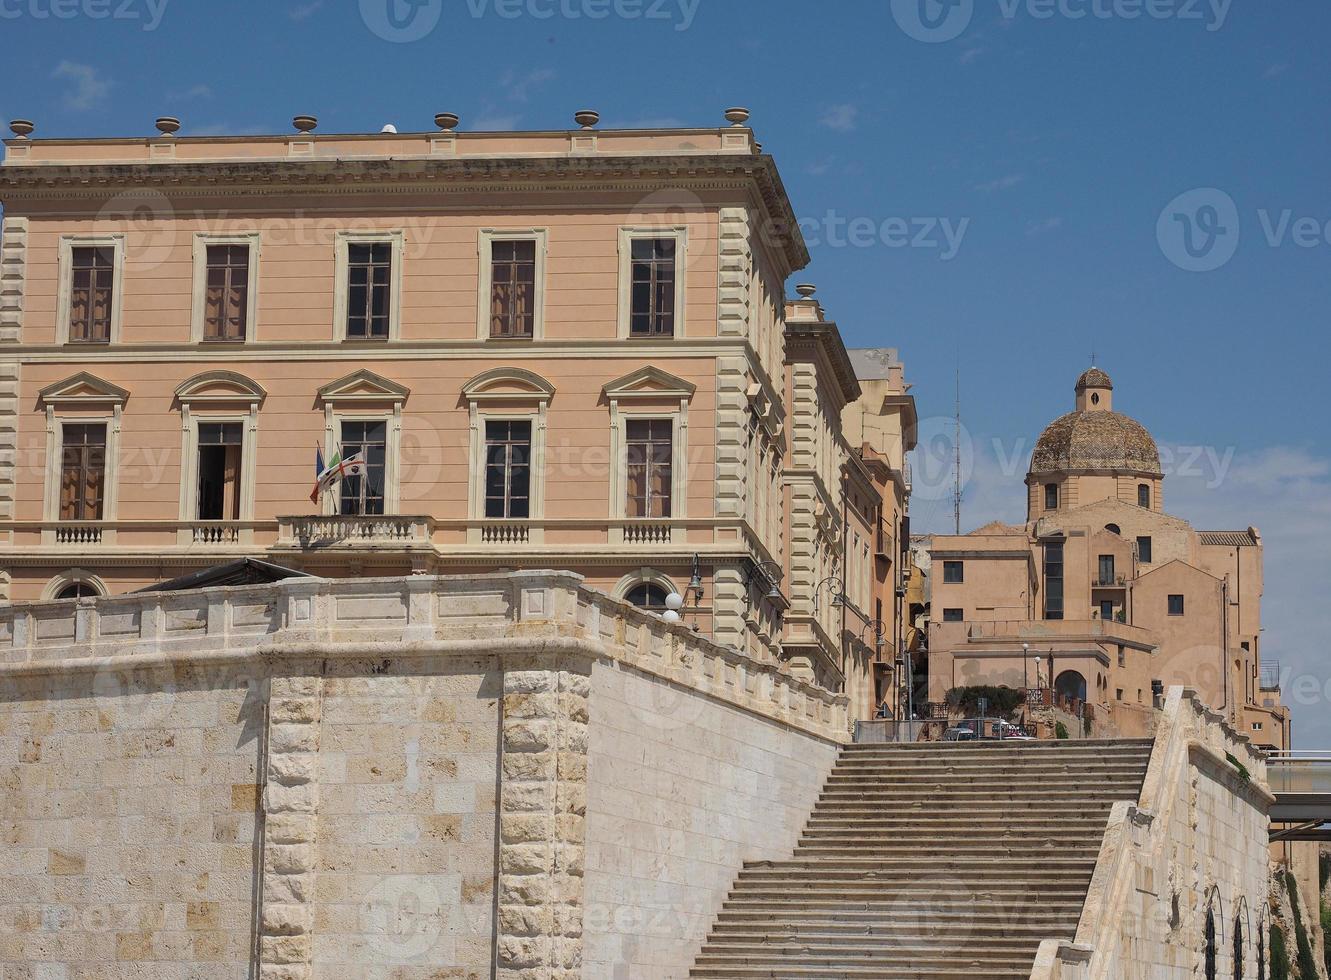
(567, 349)
(1102, 594)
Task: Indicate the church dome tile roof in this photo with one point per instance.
(1096, 441)
(1094, 378)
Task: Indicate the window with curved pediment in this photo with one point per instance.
(219, 413)
(507, 408)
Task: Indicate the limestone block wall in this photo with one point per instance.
(1196, 842)
(681, 791)
(355, 779)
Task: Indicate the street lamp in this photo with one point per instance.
(771, 573)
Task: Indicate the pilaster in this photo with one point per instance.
(290, 805)
(543, 807)
(13, 258)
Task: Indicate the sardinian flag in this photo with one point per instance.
(337, 470)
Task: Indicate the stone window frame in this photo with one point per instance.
(629, 234)
(343, 240)
(624, 396)
(510, 405)
(485, 240)
(100, 404)
(73, 576)
(65, 295)
(644, 576)
(196, 407)
(383, 402)
(199, 292)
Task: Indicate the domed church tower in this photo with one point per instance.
(1094, 454)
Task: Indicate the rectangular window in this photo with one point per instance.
(650, 466)
(1144, 495)
(226, 293)
(1176, 605)
(219, 471)
(91, 296)
(82, 472)
(365, 495)
(1051, 496)
(1145, 551)
(1122, 657)
(954, 572)
(508, 469)
(1053, 580)
(1106, 570)
(369, 290)
(1107, 610)
(1120, 694)
(652, 309)
(953, 615)
(513, 289)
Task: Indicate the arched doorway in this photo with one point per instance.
(1210, 950)
(1071, 685)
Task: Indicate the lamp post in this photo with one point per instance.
(675, 601)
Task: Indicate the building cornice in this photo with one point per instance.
(823, 337)
(259, 180)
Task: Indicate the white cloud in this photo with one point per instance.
(842, 118)
(305, 11)
(1006, 182)
(516, 86)
(970, 54)
(88, 88)
(194, 92)
(1035, 228)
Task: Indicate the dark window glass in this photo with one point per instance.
(953, 615)
(369, 279)
(649, 597)
(652, 307)
(83, 472)
(650, 467)
(1107, 609)
(1210, 950)
(91, 294)
(1261, 953)
(1144, 495)
(1051, 496)
(1145, 550)
(512, 289)
(1238, 949)
(1106, 569)
(954, 572)
(508, 469)
(1053, 580)
(1176, 605)
(219, 471)
(226, 295)
(78, 590)
(370, 438)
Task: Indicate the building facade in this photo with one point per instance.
(1102, 598)
(561, 350)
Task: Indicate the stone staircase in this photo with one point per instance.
(940, 861)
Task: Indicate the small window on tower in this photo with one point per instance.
(1144, 495)
(1051, 496)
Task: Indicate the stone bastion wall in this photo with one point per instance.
(507, 776)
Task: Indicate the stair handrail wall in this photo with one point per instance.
(1138, 833)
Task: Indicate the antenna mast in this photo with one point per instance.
(956, 441)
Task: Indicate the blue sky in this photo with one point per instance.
(1049, 146)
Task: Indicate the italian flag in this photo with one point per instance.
(337, 470)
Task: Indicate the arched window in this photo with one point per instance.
(1238, 948)
(1114, 529)
(77, 590)
(1210, 945)
(1144, 495)
(649, 596)
(1261, 953)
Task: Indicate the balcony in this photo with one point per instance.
(1109, 582)
(313, 533)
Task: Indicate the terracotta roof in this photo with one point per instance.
(1229, 539)
(1096, 441)
(1094, 378)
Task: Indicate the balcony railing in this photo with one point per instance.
(81, 533)
(1108, 582)
(324, 531)
(1269, 678)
